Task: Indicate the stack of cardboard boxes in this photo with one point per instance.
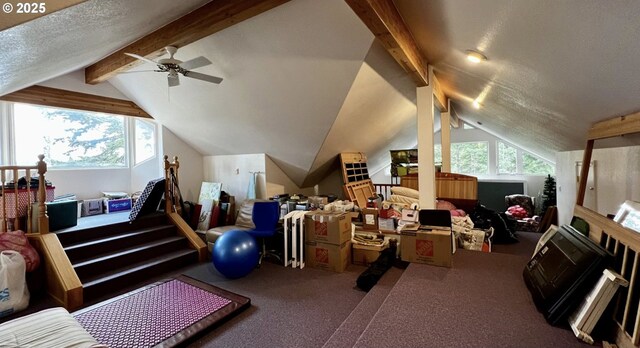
(328, 240)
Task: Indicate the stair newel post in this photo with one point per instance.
(43, 219)
(167, 181)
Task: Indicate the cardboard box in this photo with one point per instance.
(327, 227)
(92, 207)
(370, 219)
(114, 205)
(433, 247)
(365, 254)
(330, 257)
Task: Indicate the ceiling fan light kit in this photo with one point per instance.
(475, 57)
(175, 67)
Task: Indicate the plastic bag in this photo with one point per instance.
(14, 294)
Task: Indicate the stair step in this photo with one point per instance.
(120, 258)
(81, 235)
(119, 278)
(86, 250)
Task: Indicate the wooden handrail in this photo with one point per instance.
(172, 209)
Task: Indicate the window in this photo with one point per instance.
(532, 165)
(507, 159)
(470, 158)
(465, 125)
(69, 138)
(145, 141)
(466, 158)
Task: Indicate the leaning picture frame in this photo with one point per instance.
(629, 215)
(545, 237)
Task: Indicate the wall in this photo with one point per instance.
(278, 182)
(332, 184)
(534, 183)
(191, 172)
(74, 81)
(89, 183)
(234, 172)
(616, 179)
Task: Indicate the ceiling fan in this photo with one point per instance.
(175, 67)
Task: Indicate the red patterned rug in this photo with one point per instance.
(164, 313)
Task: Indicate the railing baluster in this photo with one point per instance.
(4, 201)
(632, 285)
(28, 175)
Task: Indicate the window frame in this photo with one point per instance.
(8, 120)
(134, 141)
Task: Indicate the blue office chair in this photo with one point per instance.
(265, 216)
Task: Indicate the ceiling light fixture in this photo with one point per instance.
(475, 57)
(476, 104)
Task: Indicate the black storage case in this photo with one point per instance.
(563, 271)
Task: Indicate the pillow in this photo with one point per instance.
(405, 191)
(445, 205)
(403, 199)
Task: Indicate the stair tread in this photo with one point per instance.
(116, 237)
(127, 251)
(115, 273)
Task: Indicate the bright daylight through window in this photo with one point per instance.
(69, 138)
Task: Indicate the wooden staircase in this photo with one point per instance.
(111, 257)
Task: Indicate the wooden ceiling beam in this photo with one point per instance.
(384, 21)
(614, 127)
(202, 22)
(47, 96)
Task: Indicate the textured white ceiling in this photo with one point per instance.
(554, 67)
(286, 74)
(64, 41)
(303, 81)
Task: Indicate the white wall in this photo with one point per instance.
(616, 179)
(191, 172)
(74, 81)
(278, 182)
(234, 172)
(332, 184)
(534, 183)
(89, 183)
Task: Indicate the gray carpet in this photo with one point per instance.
(480, 302)
(290, 307)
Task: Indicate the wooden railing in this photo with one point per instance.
(622, 242)
(63, 284)
(173, 207)
(11, 217)
(384, 189)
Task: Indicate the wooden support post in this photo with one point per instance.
(445, 140)
(426, 173)
(584, 172)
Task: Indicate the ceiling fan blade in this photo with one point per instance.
(195, 63)
(203, 77)
(141, 58)
(173, 80)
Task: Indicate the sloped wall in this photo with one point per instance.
(235, 172)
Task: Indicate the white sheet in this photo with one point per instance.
(51, 328)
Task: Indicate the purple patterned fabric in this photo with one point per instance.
(150, 316)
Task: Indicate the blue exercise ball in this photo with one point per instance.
(235, 254)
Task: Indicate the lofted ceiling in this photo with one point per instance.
(306, 80)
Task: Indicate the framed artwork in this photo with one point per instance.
(208, 198)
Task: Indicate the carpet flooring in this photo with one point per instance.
(480, 302)
(289, 307)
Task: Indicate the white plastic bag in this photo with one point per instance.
(14, 294)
